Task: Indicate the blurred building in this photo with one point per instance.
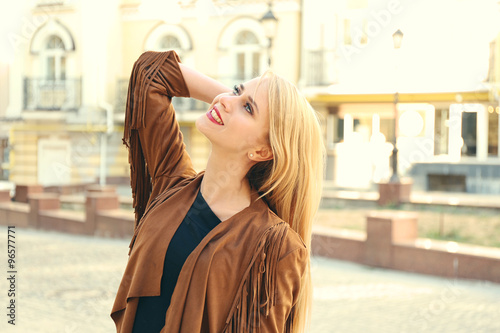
(63, 95)
(4, 128)
(448, 129)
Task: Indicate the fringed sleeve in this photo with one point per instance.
(266, 298)
(157, 153)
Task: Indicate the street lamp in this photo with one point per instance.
(397, 38)
(270, 24)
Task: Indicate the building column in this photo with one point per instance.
(16, 88)
(455, 140)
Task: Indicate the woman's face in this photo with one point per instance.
(238, 122)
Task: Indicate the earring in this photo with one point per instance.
(251, 155)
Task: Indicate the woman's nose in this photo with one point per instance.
(225, 101)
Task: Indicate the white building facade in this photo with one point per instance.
(447, 119)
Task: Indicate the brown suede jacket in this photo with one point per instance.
(245, 275)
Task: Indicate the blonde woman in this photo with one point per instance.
(227, 249)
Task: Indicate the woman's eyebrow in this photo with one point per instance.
(242, 87)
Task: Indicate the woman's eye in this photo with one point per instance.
(248, 108)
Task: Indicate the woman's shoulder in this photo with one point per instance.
(293, 245)
(292, 242)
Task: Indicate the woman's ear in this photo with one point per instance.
(262, 154)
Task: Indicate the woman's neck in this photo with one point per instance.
(224, 185)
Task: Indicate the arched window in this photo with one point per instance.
(242, 45)
(166, 37)
(52, 47)
(51, 84)
(54, 58)
(248, 55)
(169, 42)
(246, 37)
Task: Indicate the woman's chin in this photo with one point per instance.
(202, 125)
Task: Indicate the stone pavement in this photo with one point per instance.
(67, 283)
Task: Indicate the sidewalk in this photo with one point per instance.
(67, 283)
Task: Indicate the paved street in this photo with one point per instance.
(67, 283)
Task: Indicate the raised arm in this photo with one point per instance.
(157, 156)
(200, 86)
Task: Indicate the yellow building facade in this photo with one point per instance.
(68, 79)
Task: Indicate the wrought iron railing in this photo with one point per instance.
(52, 95)
(320, 67)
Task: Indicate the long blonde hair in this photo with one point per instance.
(291, 182)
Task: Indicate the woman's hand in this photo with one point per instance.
(200, 86)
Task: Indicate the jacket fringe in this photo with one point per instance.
(257, 291)
(143, 72)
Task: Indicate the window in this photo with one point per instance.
(338, 132)
(360, 125)
(55, 58)
(165, 37)
(387, 128)
(469, 133)
(169, 42)
(242, 51)
(248, 55)
(52, 85)
(355, 31)
(246, 37)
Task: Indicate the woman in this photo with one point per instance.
(224, 250)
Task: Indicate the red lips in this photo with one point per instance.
(209, 115)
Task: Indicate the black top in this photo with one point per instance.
(199, 221)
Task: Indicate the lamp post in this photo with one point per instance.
(397, 38)
(270, 24)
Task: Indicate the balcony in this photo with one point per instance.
(321, 67)
(52, 95)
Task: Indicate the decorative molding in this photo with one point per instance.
(51, 27)
(49, 6)
(226, 39)
(164, 29)
(218, 8)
